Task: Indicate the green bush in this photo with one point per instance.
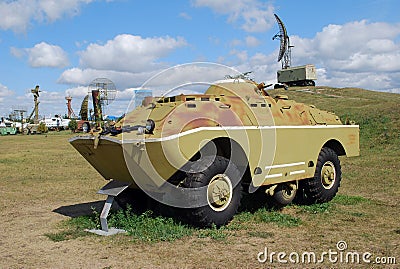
(73, 125)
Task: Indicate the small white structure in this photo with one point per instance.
(54, 123)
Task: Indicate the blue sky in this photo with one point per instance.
(62, 45)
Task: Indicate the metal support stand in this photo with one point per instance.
(112, 189)
(105, 211)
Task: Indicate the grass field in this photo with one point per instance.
(48, 192)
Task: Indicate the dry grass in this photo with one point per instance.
(43, 175)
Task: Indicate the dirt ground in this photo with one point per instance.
(44, 181)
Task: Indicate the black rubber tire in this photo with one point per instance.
(301, 196)
(314, 189)
(210, 166)
(281, 197)
(137, 199)
(251, 202)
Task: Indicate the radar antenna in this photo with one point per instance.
(83, 113)
(285, 47)
(103, 92)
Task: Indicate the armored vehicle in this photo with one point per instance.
(197, 154)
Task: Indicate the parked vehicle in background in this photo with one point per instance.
(56, 123)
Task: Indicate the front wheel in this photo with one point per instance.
(326, 181)
(136, 199)
(221, 192)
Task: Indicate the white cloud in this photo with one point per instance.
(78, 76)
(261, 59)
(43, 55)
(214, 40)
(249, 41)
(355, 54)
(46, 55)
(352, 46)
(253, 15)
(187, 78)
(126, 94)
(235, 43)
(240, 55)
(380, 46)
(191, 72)
(252, 41)
(55, 9)
(127, 60)
(129, 53)
(18, 53)
(17, 15)
(354, 37)
(80, 91)
(365, 80)
(185, 16)
(4, 92)
(258, 18)
(395, 90)
(157, 79)
(51, 102)
(263, 67)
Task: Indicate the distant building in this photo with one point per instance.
(140, 95)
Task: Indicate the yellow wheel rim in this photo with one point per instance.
(328, 175)
(219, 192)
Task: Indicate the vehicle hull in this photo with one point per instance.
(275, 154)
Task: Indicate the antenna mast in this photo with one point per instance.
(103, 92)
(285, 47)
(35, 110)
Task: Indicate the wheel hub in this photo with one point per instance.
(288, 191)
(328, 175)
(219, 192)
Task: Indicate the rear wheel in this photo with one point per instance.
(326, 181)
(284, 194)
(309, 83)
(221, 188)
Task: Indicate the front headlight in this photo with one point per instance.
(150, 125)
